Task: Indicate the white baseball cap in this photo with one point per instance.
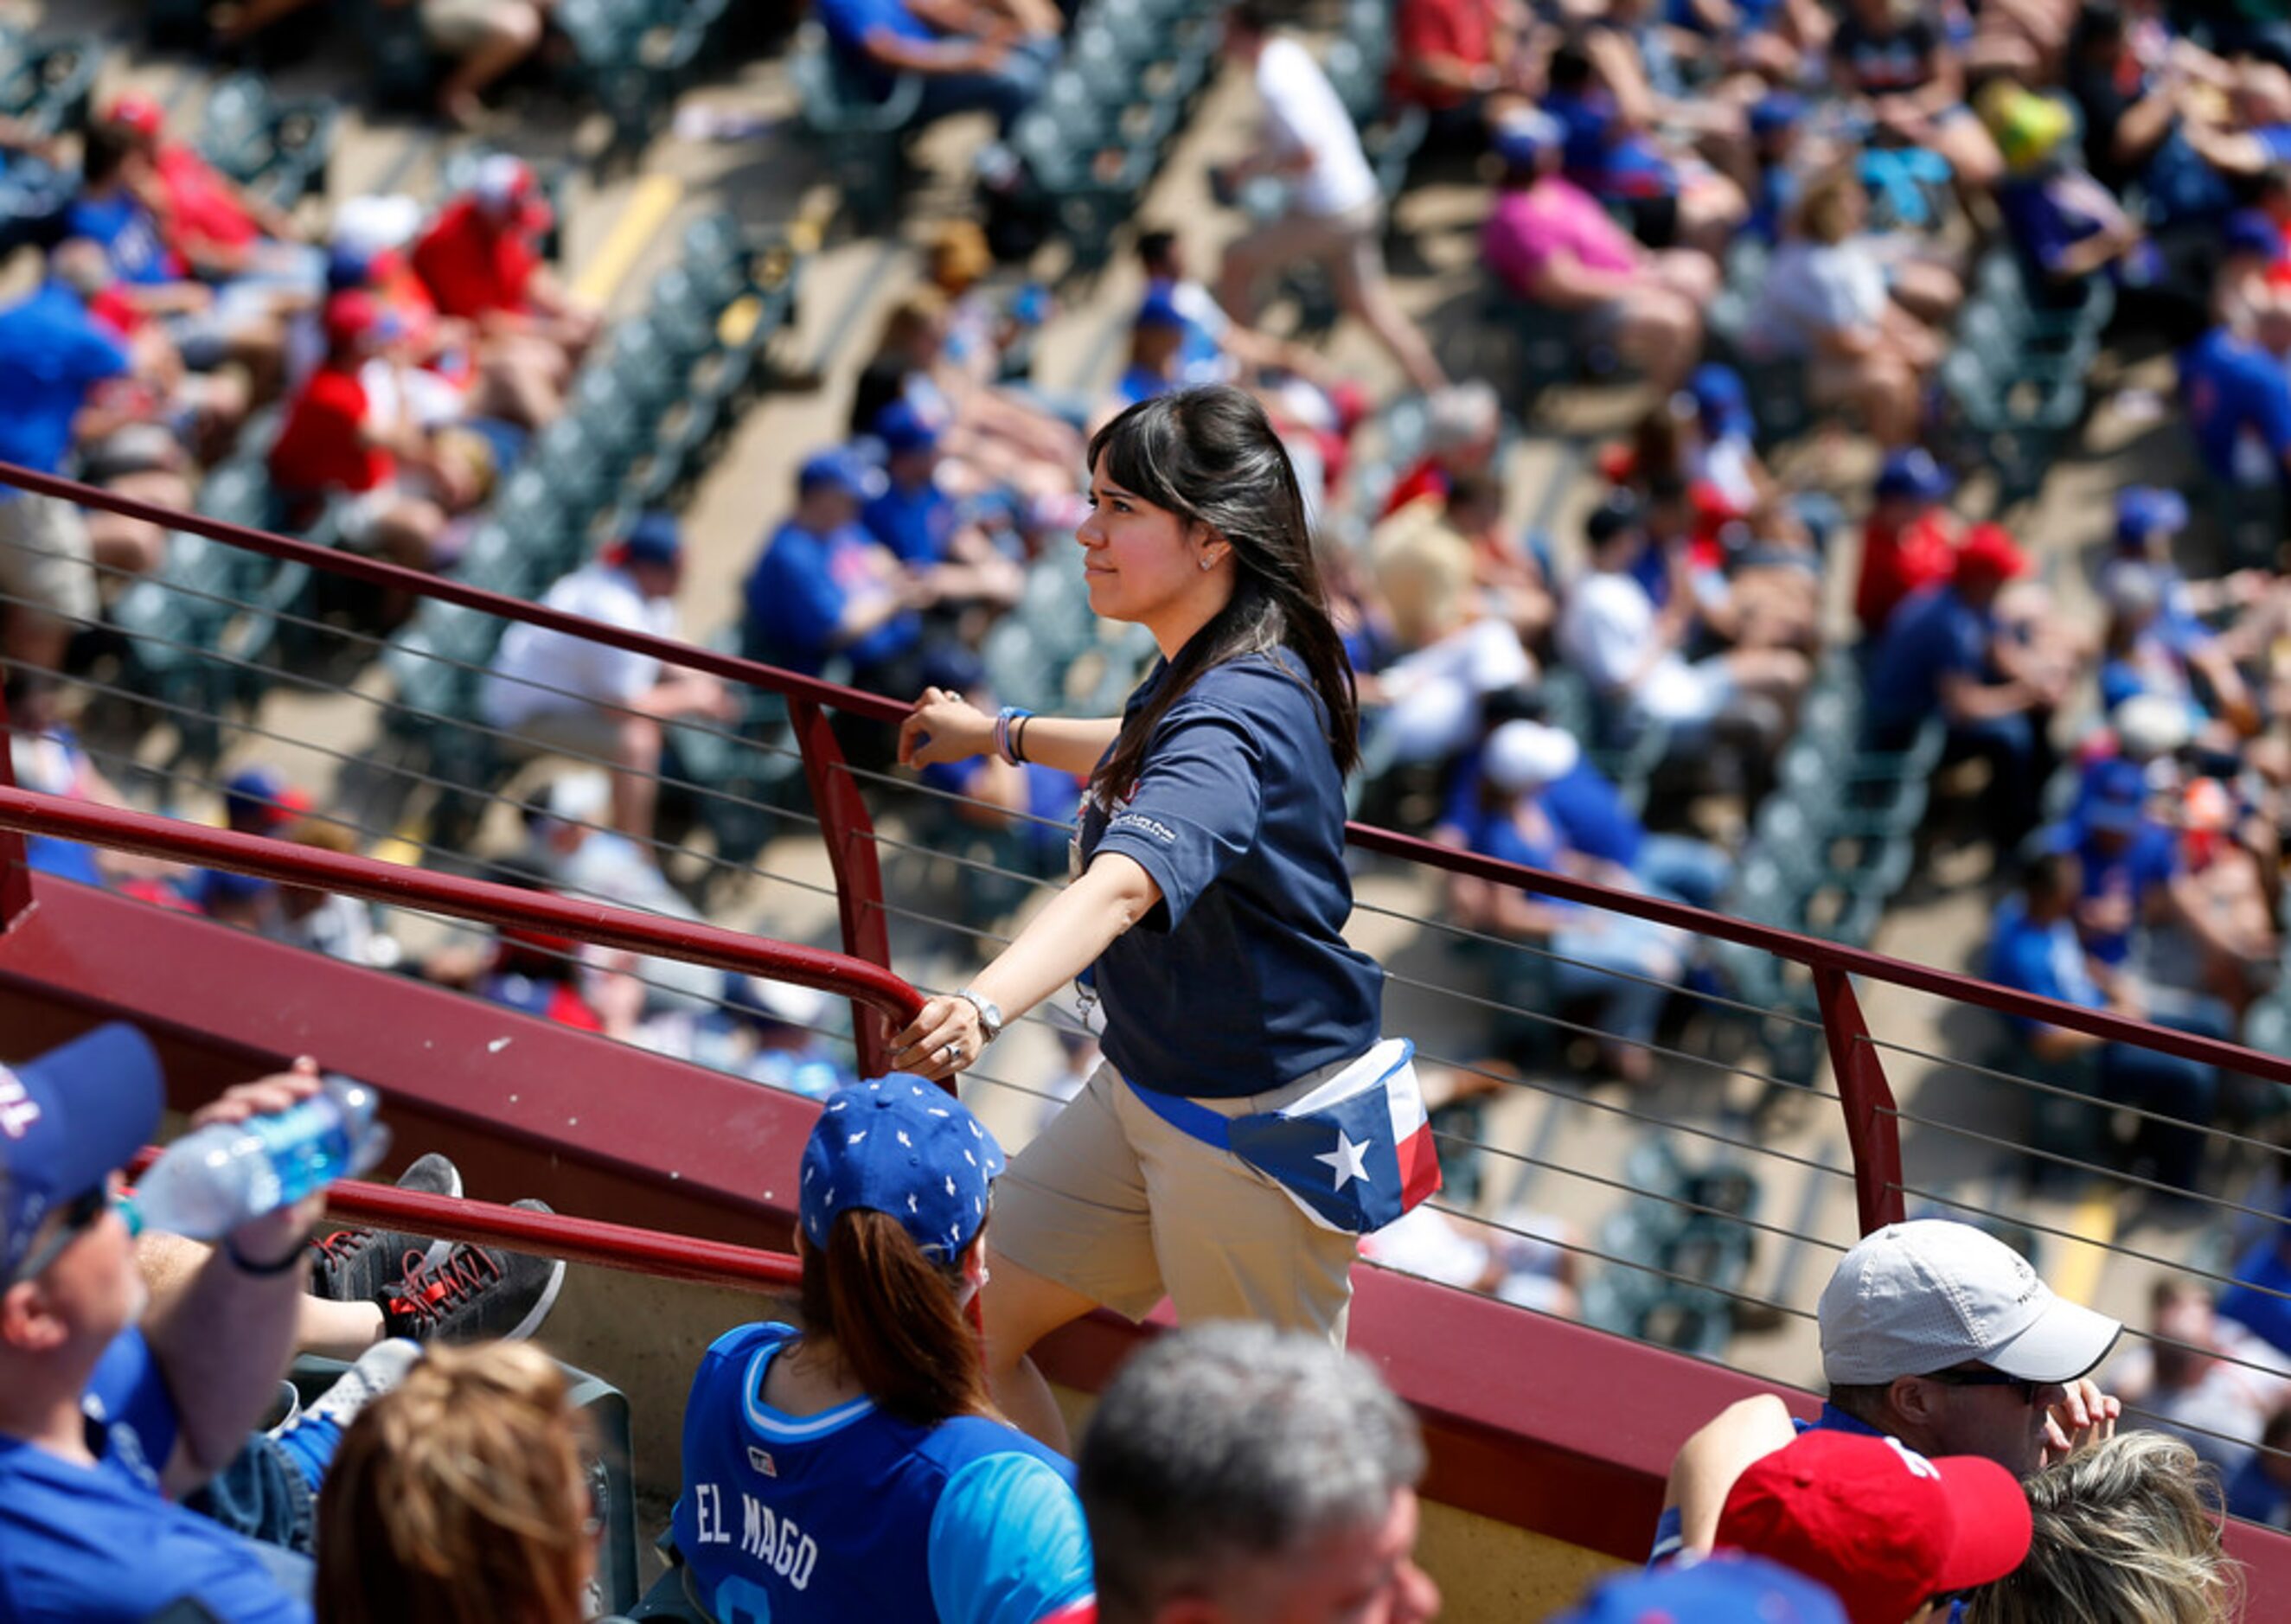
(1917, 1298)
(1524, 755)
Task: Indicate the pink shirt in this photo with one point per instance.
(1552, 219)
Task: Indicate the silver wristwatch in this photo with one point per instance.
(990, 1014)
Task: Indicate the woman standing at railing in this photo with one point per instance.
(1208, 906)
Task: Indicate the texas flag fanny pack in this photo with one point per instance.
(1354, 1154)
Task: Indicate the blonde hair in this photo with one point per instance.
(1824, 207)
(2127, 1532)
(458, 1497)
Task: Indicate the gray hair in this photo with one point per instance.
(1229, 1444)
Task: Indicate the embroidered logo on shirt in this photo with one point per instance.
(1149, 827)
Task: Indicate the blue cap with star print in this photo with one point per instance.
(899, 1145)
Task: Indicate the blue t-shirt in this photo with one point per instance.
(2138, 868)
(2043, 226)
(89, 1544)
(2046, 960)
(1137, 383)
(1934, 634)
(130, 237)
(796, 592)
(918, 524)
(1240, 979)
(2256, 1301)
(2254, 1495)
(1591, 813)
(2238, 403)
(851, 1514)
(50, 351)
(848, 22)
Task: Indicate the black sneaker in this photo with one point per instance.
(354, 1265)
(476, 1294)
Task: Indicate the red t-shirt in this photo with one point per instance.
(200, 206)
(473, 267)
(1897, 562)
(319, 449)
(1463, 29)
(1426, 479)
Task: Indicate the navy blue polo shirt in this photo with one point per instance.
(50, 351)
(1934, 633)
(1240, 979)
(2236, 391)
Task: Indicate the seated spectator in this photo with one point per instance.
(480, 260)
(1447, 58)
(1244, 1473)
(1463, 427)
(1910, 542)
(325, 922)
(992, 438)
(1334, 212)
(339, 440)
(2237, 396)
(1217, 345)
(1447, 653)
(241, 322)
(1610, 629)
(52, 353)
(2036, 950)
(2148, 523)
(1826, 300)
(2063, 223)
(2127, 1530)
(602, 705)
(872, 1431)
(1158, 337)
(1894, 1533)
(1548, 240)
(989, 56)
(575, 850)
(1897, 64)
(1506, 1261)
(2207, 1382)
(1945, 653)
(916, 518)
(218, 227)
(1627, 965)
(824, 588)
(2141, 653)
(88, 1529)
(463, 1496)
(1596, 87)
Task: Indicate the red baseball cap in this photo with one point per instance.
(354, 313)
(1880, 1524)
(138, 113)
(1989, 553)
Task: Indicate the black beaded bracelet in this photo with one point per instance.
(1018, 739)
(245, 1265)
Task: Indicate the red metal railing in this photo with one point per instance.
(1866, 1097)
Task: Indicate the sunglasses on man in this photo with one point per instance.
(2027, 1389)
(74, 1220)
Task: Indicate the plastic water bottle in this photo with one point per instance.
(210, 1182)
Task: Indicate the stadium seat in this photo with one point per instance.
(279, 148)
(858, 136)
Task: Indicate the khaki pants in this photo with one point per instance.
(47, 565)
(1346, 246)
(1114, 1203)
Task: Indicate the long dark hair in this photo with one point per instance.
(1211, 456)
(893, 1316)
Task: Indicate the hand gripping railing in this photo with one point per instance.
(1871, 1114)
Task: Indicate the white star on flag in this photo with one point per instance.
(1348, 1161)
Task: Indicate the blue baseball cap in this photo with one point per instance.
(1161, 308)
(653, 539)
(258, 795)
(902, 428)
(2251, 231)
(1772, 114)
(1524, 137)
(904, 1146)
(842, 469)
(2115, 797)
(1914, 473)
(1722, 399)
(1725, 1589)
(347, 267)
(2143, 509)
(67, 1119)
